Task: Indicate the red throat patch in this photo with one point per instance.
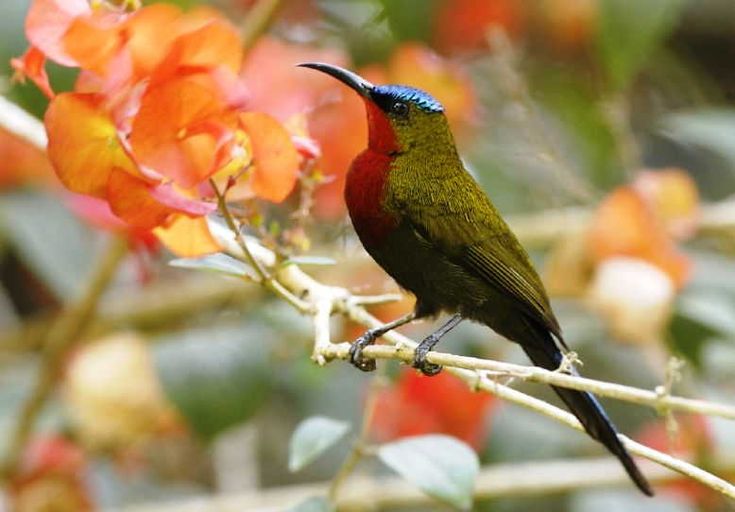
(364, 194)
(382, 138)
(367, 180)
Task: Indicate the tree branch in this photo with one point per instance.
(302, 285)
(496, 481)
(493, 369)
(22, 124)
(63, 334)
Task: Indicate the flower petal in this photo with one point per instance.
(167, 133)
(32, 64)
(187, 237)
(48, 21)
(85, 151)
(131, 200)
(275, 159)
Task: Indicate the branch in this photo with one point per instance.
(496, 481)
(22, 124)
(302, 285)
(720, 218)
(158, 305)
(258, 20)
(64, 333)
(404, 352)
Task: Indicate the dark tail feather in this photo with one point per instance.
(589, 411)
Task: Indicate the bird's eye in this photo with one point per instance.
(399, 108)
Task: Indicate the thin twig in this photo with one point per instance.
(63, 335)
(265, 278)
(613, 390)
(258, 20)
(542, 477)
(359, 446)
(301, 283)
(22, 124)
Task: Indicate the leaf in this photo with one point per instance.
(313, 437)
(313, 504)
(439, 465)
(216, 377)
(410, 20)
(275, 157)
(310, 260)
(630, 32)
(711, 129)
(712, 310)
(220, 262)
(49, 240)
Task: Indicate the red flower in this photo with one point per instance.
(417, 404)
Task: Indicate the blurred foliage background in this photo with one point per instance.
(604, 129)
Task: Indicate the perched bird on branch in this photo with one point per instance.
(428, 224)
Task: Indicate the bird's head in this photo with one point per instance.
(400, 118)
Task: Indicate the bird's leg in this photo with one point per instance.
(368, 365)
(419, 358)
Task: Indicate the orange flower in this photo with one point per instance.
(32, 64)
(85, 151)
(625, 225)
(463, 24)
(183, 130)
(51, 477)
(274, 156)
(421, 405)
(158, 109)
(48, 21)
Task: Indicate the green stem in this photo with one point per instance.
(258, 20)
(266, 279)
(360, 447)
(62, 336)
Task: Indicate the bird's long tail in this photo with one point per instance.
(586, 408)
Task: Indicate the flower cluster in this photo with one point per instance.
(158, 112)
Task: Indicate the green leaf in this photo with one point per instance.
(410, 20)
(630, 32)
(713, 310)
(439, 465)
(711, 129)
(313, 437)
(310, 260)
(49, 240)
(220, 263)
(313, 504)
(216, 377)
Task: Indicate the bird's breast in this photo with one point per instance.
(365, 193)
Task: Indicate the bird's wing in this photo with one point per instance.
(472, 234)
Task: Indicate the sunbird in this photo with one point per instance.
(424, 219)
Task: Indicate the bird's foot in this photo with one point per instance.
(419, 358)
(356, 358)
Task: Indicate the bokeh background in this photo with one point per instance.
(603, 129)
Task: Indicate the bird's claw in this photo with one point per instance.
(420, 362)
(356, 358)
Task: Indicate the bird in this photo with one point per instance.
(426, 221)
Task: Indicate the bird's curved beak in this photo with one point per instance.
(350, 79)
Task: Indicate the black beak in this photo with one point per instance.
(350, 79)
